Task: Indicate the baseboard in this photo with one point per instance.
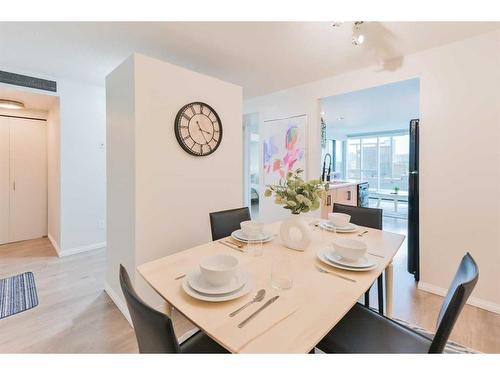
(119, 302)
(81, 249)
(54, 244)
(478, 302)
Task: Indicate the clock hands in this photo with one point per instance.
(203, 131)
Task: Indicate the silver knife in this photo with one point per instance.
(269, 301)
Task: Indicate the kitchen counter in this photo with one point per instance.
(341, 192)
(341, 184)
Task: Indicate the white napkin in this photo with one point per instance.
(237, 338)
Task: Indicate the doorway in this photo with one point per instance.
(251, 163)
(23, 179)
(367, 133)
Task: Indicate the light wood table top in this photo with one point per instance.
(302, 315)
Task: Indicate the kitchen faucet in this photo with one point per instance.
(329, 168)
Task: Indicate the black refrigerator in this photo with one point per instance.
(413, 214)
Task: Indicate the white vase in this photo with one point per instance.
(295, 233)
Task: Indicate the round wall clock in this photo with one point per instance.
(198, 129)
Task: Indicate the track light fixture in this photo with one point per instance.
(357, 37)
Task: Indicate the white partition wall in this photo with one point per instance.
(158, 196)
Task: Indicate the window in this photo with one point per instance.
(354, 158)
(381, 160)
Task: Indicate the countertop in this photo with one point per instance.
(343, 184)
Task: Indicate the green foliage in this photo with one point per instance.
(295, 194)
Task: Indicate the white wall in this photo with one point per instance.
(158, 195)
(460, 152)
(120, 167)
(83, 166)
(54, 175)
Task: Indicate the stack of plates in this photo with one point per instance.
(349, 228)
(333, 259)
(195, 285)
(240, 236)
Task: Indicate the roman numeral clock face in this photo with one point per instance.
(198, 129)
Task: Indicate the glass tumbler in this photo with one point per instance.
(281, 272)
(254, 247)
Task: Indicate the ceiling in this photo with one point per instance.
(262, 57)
(381, 108)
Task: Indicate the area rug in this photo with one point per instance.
(451, 347)
(17, 294)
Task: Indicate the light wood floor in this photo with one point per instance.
(75, 315)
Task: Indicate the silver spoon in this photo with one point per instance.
(259, 296)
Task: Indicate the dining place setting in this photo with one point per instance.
(251, 233)
(346, 253)
(223, 277)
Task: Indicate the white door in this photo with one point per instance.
(4, 180)
(28, 174)
(27, 183)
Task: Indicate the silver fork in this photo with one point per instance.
(335, 274)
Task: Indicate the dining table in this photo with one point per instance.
(302, 315)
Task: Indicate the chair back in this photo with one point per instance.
(223, 223)
(461, 288)
(364, 216)
(153, 329)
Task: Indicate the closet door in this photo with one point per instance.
(4, 180)
(28, 178)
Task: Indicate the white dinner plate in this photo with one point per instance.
(364, 262)
(322, 257)
(349, 228)
(197, 282)
(247, 288)
(239, 236)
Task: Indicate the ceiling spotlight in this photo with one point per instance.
(357, 37)
(11, 104)
(340, 118)
(337, 24)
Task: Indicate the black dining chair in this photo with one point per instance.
(362, 330)
(154, 330)
(371, 218)
(223, 223)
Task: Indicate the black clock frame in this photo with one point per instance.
(178, 132)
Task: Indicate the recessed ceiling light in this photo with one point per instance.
(11, 104)
(340, 118)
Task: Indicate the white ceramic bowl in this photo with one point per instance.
(218, 269)
(349, 248)
(338, 219)
(252, 228)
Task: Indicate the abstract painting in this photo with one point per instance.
(284, 147)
